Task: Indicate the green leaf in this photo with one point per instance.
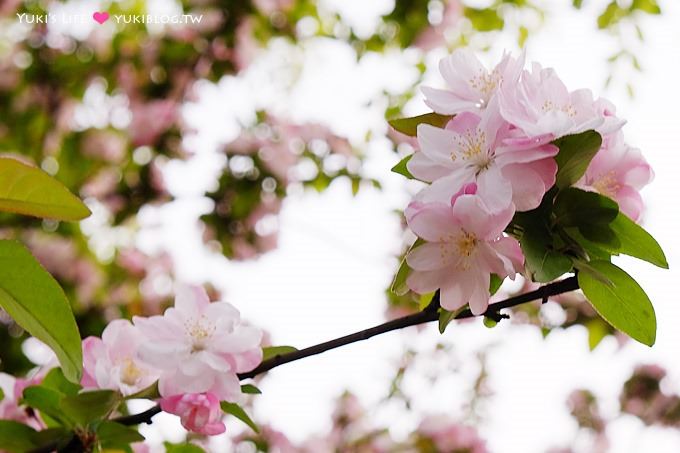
(182, 448)
(594, 251)
(401, 168)
(597, 331)
(585, 267)
(612, 14)
(425, 299)
(28, 190)
(89, 406)
(149, 393)
(624, 304)
(114, 435)
(16, 437)
(576, 207)
(542, 262)
(250, 389)
(576, 152)
(637, 242)
(36, 302)
(52, 436)
(399, 286)
(409, 126)
(46, 401)
(56, 380)
(495, 283)
(273, 351)
(484, 19)
(648, 6)
(238, 412)
(445, 317)
(577, 4)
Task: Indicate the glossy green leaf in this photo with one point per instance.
(623, 304)
(46, 401)
(542, 262)
(398, 285)
(89, 406)
(250, 389)
(28, 190)
(273, 351)
(594, 251)
(425, 299)
(182, 448)
(636, 241)
(576, 152)
(56, 380)
(495, 283)
(114, 435)
(16, 437)
(401, 168)
(238, 412)
(36, 302)
(576, 207)
(445, 317)
(149, 393)
(409, 126)
(597, 331)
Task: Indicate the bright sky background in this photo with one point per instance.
(336, 253)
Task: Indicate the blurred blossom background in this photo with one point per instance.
(249, 151)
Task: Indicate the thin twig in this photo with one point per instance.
(428, 314)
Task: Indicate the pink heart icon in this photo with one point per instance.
(101, 17)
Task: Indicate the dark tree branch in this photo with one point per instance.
(428, 314)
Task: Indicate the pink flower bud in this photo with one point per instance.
(198, 412)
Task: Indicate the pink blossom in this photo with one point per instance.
(198, 412)
(10, 405)
(619, 172)
(471, 149)
(435, 36)
(464, 245)
(447, 435)
(150, 120)
(111, 362)
(199, 346)
(470, 85)
(140, 447)
(541, 106)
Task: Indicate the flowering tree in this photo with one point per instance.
(522, 178)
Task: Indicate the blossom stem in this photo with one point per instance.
(428, 314)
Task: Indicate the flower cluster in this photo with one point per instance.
(194, 351)
(495, 156)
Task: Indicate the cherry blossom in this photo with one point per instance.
(464, 245)
(471, 149)
(471, 85)
(198, 412)
(542, 106)
(112, 363)
(199, 346)
(619, 171)
(447, 435)
(11, 407)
